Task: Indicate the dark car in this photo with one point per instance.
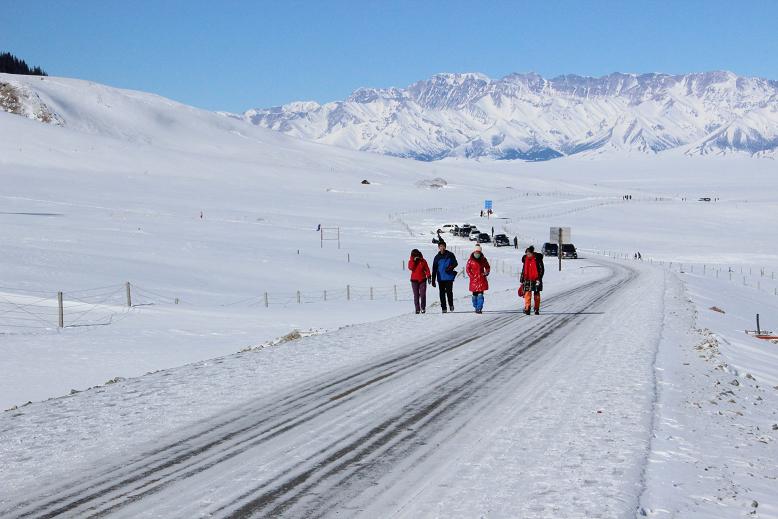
(550, 249)
(483, 238)
(464, 231)
(500, 240)
(568, 251)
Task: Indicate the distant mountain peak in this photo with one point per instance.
(529, 117)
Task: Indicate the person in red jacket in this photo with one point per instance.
(420, 276)
(478, 270)
(532, 270)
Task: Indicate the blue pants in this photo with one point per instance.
(478, 300)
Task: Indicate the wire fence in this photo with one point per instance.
(757, 277)
(24, 311)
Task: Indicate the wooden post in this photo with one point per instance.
(559, 251)
(267, 301)
(338, 237)
(325, 295)
(61, 310)
(371, 293)
(298, 297)
(395, 292)
(129, 294)
(176, 300)
(348, 257)
(758, 329)
(348, 292)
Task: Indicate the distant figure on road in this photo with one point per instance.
(515, 242)
(477, 269)
(443, 273)
(420, 276)
(532, 270)
(492, 232)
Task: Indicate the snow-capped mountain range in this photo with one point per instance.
(528, 117)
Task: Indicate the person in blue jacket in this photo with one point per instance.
(443, 274)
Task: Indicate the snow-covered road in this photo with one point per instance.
(510, 416)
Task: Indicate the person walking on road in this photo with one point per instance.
(515, 242)
(532, 270)
(477, 269)
(420, 276)
(443, 273)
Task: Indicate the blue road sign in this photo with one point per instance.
(487, 204)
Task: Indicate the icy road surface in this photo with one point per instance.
(513, 416)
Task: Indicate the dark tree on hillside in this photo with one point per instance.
(10, 64)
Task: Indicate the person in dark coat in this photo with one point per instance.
(443, 274)
(532, 270)
(420, 275)
(478, 270)
(515, 242)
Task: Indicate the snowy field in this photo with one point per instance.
(116, 194)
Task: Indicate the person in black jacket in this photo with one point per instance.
(443, 273)
(532, 270)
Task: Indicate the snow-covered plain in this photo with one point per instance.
(114, 193)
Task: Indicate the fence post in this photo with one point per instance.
(348, 292)
(298, 297)
(129, 294)
(61, 310)
(371, 293)
(325, 295)
(267, 302)
(395, 292)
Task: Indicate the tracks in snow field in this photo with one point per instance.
(318, 449)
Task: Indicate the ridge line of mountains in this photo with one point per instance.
(531, 118)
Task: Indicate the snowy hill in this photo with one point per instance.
(528, 117)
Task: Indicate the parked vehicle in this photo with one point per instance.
(500, 240)
(464, 231)
(454, 230)
(474, 234)
(447, 227)
(550, 249)
(568, 251)
(483, 238)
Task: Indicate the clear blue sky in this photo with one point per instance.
(234, 55)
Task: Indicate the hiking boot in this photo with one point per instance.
(537, 311)
(445, 311)
(424, 310)
(418, 312)
(452, 308)
(526, 311)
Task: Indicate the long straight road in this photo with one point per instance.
(516, 416)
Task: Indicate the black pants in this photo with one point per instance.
(446, 289)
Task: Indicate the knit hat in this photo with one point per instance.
(477, 248)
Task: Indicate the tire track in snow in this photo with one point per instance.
(251, 425)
